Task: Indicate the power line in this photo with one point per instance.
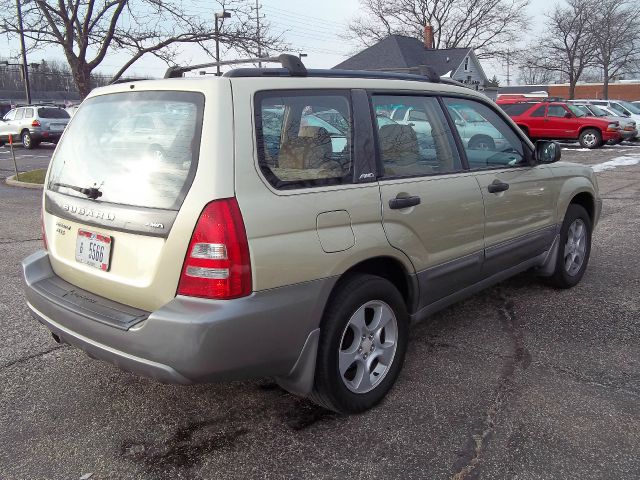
(312, 18)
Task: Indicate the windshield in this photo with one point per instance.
(577, 111)
(52, 113)
(597, 111)
(630, 106)
(137, 148)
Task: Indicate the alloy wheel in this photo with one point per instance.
(368, 346)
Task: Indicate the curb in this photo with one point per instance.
(15, 183)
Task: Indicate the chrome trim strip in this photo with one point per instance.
(151, 222)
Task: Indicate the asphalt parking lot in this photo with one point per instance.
(517, 382)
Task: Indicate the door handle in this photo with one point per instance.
(497, 186)
(403, 202)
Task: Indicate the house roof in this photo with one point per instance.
(398, 51)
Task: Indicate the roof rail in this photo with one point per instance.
(291, 63)
(335, 73)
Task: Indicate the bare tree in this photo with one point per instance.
(616, 36)
(485, 25)
(534, 69)
(567, 46)
(87, 30)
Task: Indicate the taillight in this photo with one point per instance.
(35, 123)
(217, 262)
(44, 233)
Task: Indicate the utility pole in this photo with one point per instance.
(258, 31)
(219, 15)
(25, 69)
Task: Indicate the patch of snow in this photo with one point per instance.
(577, 149)
(616, 162)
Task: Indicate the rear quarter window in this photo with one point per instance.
(304, 138)
(516, 109)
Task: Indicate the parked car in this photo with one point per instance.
(562, 121)
(33, 124)
(628, 128)
(71, 109)
(622, 107)
(307, 262)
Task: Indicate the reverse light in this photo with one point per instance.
(217, 263)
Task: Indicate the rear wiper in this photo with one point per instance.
(91, 192)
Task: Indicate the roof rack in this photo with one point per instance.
(292, 64)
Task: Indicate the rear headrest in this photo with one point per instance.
(398, 144)
(319, 134)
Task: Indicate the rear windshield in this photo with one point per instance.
(52, 113)
(137, 148)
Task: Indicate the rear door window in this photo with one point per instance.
(19, 114)
(304, 139)
(45, 112)
(138, 148)
(420, 145)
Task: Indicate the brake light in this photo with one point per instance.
(217, 263)
(44, 232)
(35, 123)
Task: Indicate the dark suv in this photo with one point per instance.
(562, 121)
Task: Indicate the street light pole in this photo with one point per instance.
(219, 15)
(25, 69)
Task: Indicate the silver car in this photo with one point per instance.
(628, 128)
(33, 124)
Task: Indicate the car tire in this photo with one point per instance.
(365, 321)
(27, 140)
(590, 138)
(574, 248)
(482, 142)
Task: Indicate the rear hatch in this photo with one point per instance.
(52, 119)
(119, 207)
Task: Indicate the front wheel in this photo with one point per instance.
(574, 248)
(590, 138)
(363, 339)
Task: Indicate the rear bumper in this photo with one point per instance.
(44, 136)
(187, 340)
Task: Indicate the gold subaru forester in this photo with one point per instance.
(292, 223)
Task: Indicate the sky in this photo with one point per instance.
(311, 27)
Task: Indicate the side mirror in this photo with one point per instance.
(627, 114)
(568, 115)
(547, 152)
(459, 122)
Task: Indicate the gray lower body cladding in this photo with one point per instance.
(188, 339)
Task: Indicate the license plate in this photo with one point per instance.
(93, 249)
(56, 127)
